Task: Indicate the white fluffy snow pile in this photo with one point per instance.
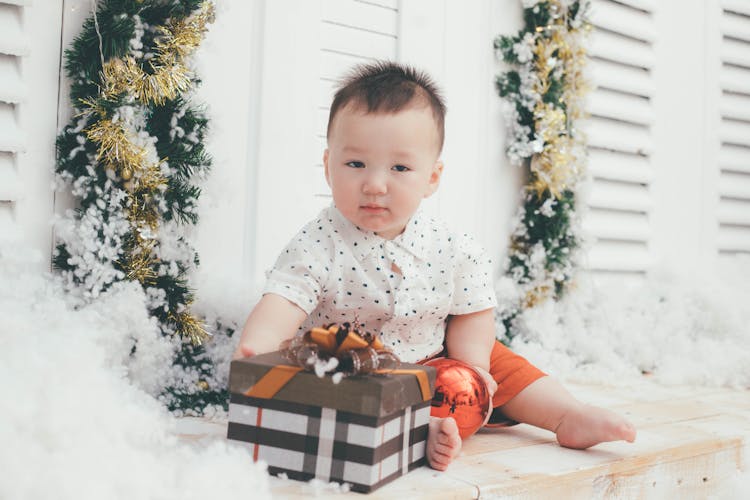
(690, 328)
(76, 419)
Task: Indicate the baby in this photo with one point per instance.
(374, 256)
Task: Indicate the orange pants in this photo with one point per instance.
(511, 372)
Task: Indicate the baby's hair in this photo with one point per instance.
(386, 86)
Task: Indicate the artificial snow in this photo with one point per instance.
(674, 328)
(79, 418)
(76, 417)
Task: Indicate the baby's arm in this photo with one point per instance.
(470, 338)
(273, 320)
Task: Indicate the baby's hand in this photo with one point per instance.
(491, 384)
(242, 351)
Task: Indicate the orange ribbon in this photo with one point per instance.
(329, 339)
(278, 376)
(270, 383)
(334, 340)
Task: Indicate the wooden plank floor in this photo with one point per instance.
(690, 442)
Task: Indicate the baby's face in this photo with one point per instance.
(381, 165)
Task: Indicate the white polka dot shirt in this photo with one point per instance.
(337, 272)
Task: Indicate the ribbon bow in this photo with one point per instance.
(340, 348)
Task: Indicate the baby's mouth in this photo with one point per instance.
(373, 208)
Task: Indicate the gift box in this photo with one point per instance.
(365, 430)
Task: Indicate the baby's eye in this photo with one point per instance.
(355, 164)
(400, 168)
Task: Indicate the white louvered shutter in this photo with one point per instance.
(29, 79)
(620, 138)
(733, 162)
(351, 32)
(13, 46)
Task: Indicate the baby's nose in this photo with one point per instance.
(375, 183)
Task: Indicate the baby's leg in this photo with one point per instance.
(547, 404)
(443, 442)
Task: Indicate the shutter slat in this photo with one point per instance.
(608, 134)
(335, 65)
(736, 27)
(734, 132)
(734, 52)
(12, 90)
(735, 106)
(620, 167)
(741, 6)
(12, 139)
(644, 5)
(10, 185)
(618, 256)
(735, 79)
(352, 41)
(620, 196)
(734, 238)
(360, 15)
(621, 49)
(321, 121)
(12, 39)
(326, 89)
(618, 18)
(8, 227)
(617, 225)
(618, 77)
(735, 185)
(620, 106)
(731, 211)
(734, 158)
(388, 4)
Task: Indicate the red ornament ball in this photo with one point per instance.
(461, 393)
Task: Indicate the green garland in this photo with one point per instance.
(544, 94)
(131, 156)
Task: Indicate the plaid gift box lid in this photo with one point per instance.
(376, 395)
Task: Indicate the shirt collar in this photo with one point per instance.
(364, 242)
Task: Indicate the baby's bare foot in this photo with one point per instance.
(443, 442)
(586, 426)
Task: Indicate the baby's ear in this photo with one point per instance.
(437, 172)
(325, 166)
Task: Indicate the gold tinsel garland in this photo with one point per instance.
(144, 181)
(556, 168)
